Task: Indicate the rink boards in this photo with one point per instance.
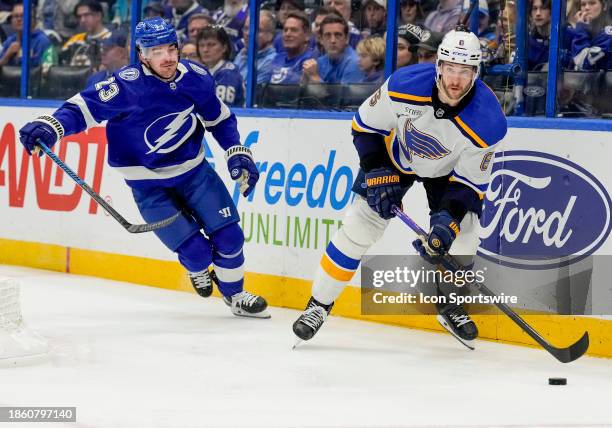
(549, 195)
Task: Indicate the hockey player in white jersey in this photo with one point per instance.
(437, 124)
(157, 111)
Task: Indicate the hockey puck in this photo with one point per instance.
(557, 381)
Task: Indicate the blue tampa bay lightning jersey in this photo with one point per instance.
(155, 128)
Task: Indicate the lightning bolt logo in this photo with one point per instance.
(171, 131)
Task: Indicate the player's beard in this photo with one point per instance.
(165, 70)
(455, 98)
(168, 68)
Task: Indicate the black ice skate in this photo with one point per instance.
(307, 325)
(202, 283)
(455, 319)
(245, 304)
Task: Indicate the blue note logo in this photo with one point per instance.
(417, 143)
(169, 132)
(542, 211)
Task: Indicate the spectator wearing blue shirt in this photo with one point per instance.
(231, 17)
(11, 52)
(287, 66)
(114, 55)
(265, 52)
(283, 9)
(591, 45)
(196, 23)
(344, 9)
(178, 13)
(539, 34)
(319, 16)
(340, 64)
(214, 50)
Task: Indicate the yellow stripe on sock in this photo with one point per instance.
(334, 271)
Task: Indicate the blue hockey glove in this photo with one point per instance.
(444, 230)
(383, 191)
(44, 128)
(242, 168)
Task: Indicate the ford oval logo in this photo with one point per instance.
(542, 211)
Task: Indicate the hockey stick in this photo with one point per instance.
(565, 355)
(132, 228)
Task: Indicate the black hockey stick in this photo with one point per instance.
(132, 228)
(565, 355)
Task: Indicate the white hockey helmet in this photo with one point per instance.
(459, 47)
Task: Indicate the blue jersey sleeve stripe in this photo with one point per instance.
(362, 125)
(340, 259)
(480, 188)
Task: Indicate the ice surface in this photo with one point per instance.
(135, 356)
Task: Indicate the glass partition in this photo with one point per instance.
(321, 54)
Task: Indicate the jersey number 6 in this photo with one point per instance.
(107, 94)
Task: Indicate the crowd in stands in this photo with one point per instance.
(302, 42)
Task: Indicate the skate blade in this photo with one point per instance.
(467, 343)
(297, 343)
(262, 315)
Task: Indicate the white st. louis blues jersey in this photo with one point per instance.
(418, 142)
(155, 128)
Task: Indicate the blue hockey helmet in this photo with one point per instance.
(154, 32)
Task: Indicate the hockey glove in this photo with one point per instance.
(242, 168)
(444, 230)
(46, 129)
(383, 191)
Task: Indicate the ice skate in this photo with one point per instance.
(307, 325)
(245, 304)
(201, 282)
(455, 319)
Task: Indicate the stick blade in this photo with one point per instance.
(573, 352)
(149, 227)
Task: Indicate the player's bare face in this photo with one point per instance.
(163, 60)
(456, 81)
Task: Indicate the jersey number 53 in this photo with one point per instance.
(107, 94)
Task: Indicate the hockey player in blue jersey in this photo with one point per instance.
(434, 123)
(157, 113)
